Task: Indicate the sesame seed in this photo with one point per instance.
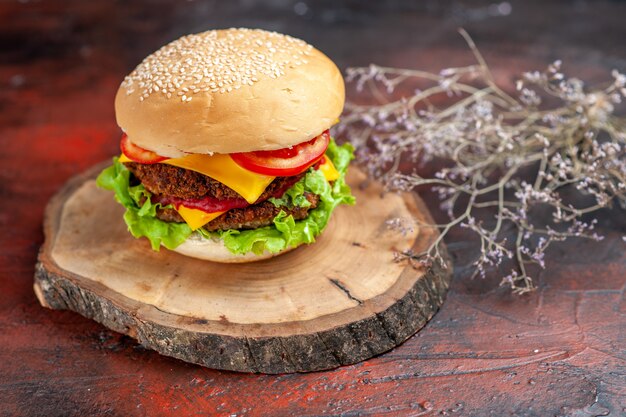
(216, 61)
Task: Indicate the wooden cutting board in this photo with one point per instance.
(338, 301)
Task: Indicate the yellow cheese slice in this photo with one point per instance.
(222, 168)
(197, 218)
(123, 158)
(329, 170)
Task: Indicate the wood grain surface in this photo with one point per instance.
(336, 302)
(557, 352)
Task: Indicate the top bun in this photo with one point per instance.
(226, 91)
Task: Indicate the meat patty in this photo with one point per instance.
(251, 217)
(178, 182)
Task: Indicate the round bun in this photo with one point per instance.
(214, 250)
(226, 91)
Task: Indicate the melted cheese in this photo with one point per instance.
(222, 168)
(329, 170)
(197, 218)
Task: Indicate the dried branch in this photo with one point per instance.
(512, 155)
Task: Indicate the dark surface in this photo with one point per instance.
(560, 351)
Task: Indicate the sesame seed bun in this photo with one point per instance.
(226, 91)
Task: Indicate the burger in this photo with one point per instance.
(226, 153)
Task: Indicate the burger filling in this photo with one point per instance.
(162, 179)
(251, 217)
(167, 203)
(174, 186)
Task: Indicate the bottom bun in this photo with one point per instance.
(214, 250)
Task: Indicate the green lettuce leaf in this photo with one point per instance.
(140, 216)
(293, 197)
(285, 232)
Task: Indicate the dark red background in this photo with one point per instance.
(560, 351)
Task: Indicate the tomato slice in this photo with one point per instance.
(284, 162)
(138, 154)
